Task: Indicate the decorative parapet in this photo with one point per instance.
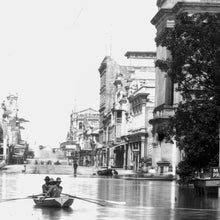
(137, 130)
(163, 111)
(176, 7)
(142, 91)
(161, 130)
(141, 54)
(160, 2)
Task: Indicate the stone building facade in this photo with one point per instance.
(124, 118)
(167, 154)
(83, 135)
(12, 147)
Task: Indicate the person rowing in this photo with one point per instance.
(58, 188)
(46, 185)
(55, 189)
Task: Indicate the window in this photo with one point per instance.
(119, 116)
(137, 106)
(80, 125)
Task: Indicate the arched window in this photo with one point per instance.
(80, 125)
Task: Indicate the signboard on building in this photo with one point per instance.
(71, 147)
(215, 172)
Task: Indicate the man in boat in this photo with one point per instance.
(55, 189)
(46, 185)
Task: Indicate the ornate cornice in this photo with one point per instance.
(184, 6)
(160, 14)
(160, 2)
(196, 7)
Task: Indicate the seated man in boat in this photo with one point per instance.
(46, 185)
(55, 189)
(58, 189)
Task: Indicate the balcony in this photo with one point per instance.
(161, 113)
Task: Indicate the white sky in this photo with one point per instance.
(50, 52)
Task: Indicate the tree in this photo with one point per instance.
(194, 43)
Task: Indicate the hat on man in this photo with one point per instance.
(51, 181)
(58, 179)
(47, 178)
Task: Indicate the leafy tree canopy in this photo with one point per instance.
(194, 43)
(194, 66)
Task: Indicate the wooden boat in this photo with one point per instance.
(106, 172)
(58, 202)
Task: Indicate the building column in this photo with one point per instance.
(129, 156)
(5, 140)
(5, 147)
(125, 157)
(174, 157)
(136, 155)
(143, 148)
(123, 123)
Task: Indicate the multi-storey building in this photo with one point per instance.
(124, 119)
(108, 71)
(166, 153)
(12, 147)
(83, 135)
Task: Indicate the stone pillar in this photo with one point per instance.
(143, 147)
(5, 139)
(129, 155)
(123, 124)
(174, 157)
(5, 147)
(136, 155)
(125, 154)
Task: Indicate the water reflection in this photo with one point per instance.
(144, 199)
(53, 213)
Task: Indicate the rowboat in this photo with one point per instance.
(106, 172)
(58, 202)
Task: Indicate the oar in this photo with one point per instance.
(100, 200)
(86, 200)
(27, 197)
(108, 201)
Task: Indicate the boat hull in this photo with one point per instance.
(106, 172)
(59, 202)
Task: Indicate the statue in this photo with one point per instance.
(10, 107)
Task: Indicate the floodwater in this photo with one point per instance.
(144, 199)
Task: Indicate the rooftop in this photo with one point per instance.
(141, 54)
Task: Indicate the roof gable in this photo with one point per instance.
(88, 111)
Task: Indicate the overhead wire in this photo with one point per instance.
(79, 13)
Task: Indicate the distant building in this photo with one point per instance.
(108, 70)
(12, 148)
(83, 135)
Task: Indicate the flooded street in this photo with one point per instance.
(144, 199)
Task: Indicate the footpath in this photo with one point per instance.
(56, 169)
(81, 171)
